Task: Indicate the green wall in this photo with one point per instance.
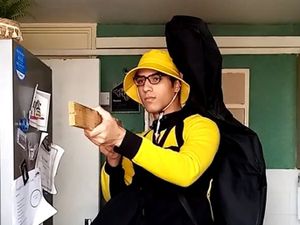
(273, 88)
(272, 115)
(112, 73)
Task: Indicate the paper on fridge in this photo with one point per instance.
(30, 206)
(47, 161)
(39, 110)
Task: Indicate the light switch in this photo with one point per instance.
(104, 98)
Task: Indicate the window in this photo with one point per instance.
(235, 86)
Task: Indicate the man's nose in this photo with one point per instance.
(147, 86)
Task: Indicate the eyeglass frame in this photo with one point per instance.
(148, 78)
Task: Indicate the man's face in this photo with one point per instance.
(155, 97)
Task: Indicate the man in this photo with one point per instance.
(160, 176)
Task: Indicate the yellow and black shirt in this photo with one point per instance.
(159, 171)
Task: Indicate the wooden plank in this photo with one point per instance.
(82, 116)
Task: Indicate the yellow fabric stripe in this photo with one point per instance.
(105, 184)
(129, 171)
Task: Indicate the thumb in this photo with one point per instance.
(102, 112)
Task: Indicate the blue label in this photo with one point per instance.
(20, 62)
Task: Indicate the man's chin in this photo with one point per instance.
(152, 110)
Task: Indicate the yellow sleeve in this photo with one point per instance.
(201, 140)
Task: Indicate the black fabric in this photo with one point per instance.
(130, 145)
(191, 202)
(200, 203)
(171, 119)
(178, 133)
(187, 208)
(181, 197)
(115, 212)
(116, 175)
(239, 175)
(158, 199)
(162, 140)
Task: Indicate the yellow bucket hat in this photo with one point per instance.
(160, 61)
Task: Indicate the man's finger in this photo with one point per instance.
(102, 112)
(98, 130)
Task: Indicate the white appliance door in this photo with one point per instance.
(77, 179)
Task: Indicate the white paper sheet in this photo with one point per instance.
(30, 207)
(47, 161)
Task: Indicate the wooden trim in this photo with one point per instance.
(99, 52)
(49, 36)
(130, 42)
(138, 45)
(222, 42)
(259, 51)
(235, 106)
(259, 42)
(227, 45)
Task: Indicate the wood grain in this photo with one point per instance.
(82, 116)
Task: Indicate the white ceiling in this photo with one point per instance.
(160, 11)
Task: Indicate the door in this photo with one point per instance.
(77, 179)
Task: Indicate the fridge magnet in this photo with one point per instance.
(23, 123)
(21, 138)
(121, 103)
(24, 171)
(39, 110)
(20, 62)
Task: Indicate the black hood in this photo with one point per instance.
(196, 54)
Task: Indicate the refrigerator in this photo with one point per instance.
(21, 75)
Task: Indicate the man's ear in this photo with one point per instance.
(177, 85)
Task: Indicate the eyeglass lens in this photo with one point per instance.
(153, 79)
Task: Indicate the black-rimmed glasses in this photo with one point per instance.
(153, 79)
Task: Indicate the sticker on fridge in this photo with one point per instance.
(39, 110)
(21, 138)
(20, 62)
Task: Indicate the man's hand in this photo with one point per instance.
(106, 133)
(112, 158)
